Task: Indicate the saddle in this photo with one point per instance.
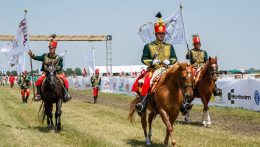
(155, 82)
(57, 77)
(196, 73)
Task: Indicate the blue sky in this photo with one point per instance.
(228, 29)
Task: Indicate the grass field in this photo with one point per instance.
(106, 124)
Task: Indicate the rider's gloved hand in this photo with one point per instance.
(188, 55)
(156, 61)
(30, 53)
(166, 62)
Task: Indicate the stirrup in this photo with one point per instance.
(37, 97)
(188, 106)
(217, 92)
(139, 107)
(66, 97)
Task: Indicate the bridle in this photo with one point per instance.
(51, 72)
(184, 84)
(212, 70)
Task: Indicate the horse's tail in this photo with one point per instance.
(42, 113)
(132, 109)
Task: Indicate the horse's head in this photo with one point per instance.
(50, 75)
(213, 68)
(187, 78)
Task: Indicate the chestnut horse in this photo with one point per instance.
(205, 87)
(175, 82)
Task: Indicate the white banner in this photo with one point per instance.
(15, 50)
(91, 61)
(243, 93)
(63, 56)
(175, 31)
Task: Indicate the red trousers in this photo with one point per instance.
(62, 76)
(95, 91)
(25, 92)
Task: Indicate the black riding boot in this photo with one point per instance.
(95, 99)
(26, 99)
(141, 107)
(217, 91)
(66, 96)
(38, 94)
(183, 109)
(23, 99)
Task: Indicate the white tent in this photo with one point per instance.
(125, 69)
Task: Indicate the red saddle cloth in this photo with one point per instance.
(135, 87)
(143, 88)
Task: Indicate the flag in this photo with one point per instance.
(84, 72)
(175, 31)
(63, 56)
(90, 61)
(15, 50)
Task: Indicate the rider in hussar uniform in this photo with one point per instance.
(96, 82)
(198, 58)
(46, 59)
(156, 55)
(24, 83)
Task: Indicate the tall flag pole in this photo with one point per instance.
(184, 27)
(25, 14)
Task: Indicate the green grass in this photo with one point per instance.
(106, 124)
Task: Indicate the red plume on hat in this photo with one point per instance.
(196, 38)
(159, 26)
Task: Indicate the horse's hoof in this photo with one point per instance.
(174, 144)
(57, 130)
(148, 144)
(187, 120)
(208, 125)
(50, 126)
(204, 123)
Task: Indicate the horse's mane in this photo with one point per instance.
(171, 73)
(205, 68)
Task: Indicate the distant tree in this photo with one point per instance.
(69, 71)
(14, 72)
(78, 71)
(8, 73)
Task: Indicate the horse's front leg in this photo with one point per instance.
(205, 110)
(58, 115)
(48, 111)
(208, 121)
(167, 123)
(144, 125)
(172, 118)
(150, 121)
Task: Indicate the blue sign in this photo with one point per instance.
(257, 97)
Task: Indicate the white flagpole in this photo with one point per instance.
(184, 27)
